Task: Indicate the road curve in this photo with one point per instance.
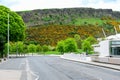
(55, 68)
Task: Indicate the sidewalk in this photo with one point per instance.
(10, 74)
(75, 57)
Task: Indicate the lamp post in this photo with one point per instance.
(8, 38)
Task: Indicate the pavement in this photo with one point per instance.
(10, 74)
(87, 60)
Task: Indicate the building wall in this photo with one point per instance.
(104, 48)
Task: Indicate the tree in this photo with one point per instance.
(60, 46)
(92, 40)
(13, 47)
(78, 40)
(70, 45)
(39, 48)
(45, 48)
(20, 47)
(31, 48)
(16, 25)
(86, 46)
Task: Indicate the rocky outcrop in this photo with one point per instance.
(64, 16)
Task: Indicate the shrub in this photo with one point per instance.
(45, 48)
(60, 46)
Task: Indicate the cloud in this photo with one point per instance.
(42, 4)
(103, 4)
(18, 5)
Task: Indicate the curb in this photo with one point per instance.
(92, 63)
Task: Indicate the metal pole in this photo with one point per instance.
(103, 32)
(8, 38)
(115, 30)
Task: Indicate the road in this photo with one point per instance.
(55, 68)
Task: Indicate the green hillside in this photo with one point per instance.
(93, 21)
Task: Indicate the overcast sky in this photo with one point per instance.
(20, 5)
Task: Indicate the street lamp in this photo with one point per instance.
(8, 38)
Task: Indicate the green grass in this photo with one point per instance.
(79, 51)
(52, 52)
(81, 21)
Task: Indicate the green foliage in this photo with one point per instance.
(86, 46)
(78, 40)
(70, 45)
(51, 48)
(31, 48)
(92, 40)
(45, 48)
(39, 48)
(13, 47)
(20, 46)
(60, 46)
(87, 21)
(17, 26)
(52, 52)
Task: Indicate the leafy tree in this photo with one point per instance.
(45, 48)
(60, 46)
(31, 48)
(86, 46)
(92, 40)
(20, 47)
(70, 45)
(16, 25)
(78, 40)
(13, 47)
(39, 48)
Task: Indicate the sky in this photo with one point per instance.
(21, 5)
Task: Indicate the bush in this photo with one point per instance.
(86, 46)
(45, 48)
(32, 48)
(39, 48)
(60, 46)
(70, 45)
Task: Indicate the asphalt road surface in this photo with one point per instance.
(55, 68)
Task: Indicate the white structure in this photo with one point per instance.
(108, 47)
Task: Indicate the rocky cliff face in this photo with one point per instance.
(64, 16)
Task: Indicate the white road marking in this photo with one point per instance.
(29, 72)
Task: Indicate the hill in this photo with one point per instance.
(48, 26)
(51, 34)
(67, 16)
